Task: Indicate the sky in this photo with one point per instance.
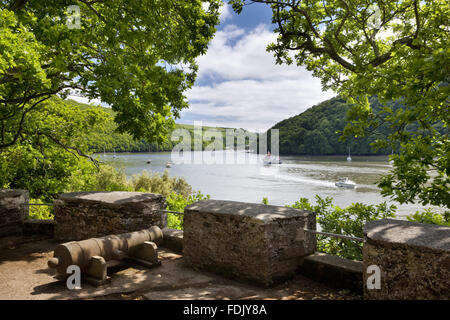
(238, 83)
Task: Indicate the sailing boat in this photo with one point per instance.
(114, 155)
(349, 158)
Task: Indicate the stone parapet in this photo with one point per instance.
(252, 242)
(13, 211)
(83, 215)
(413, 259)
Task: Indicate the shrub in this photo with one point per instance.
(349, 221)
(177, 202)
(160, 183)
(109, 178)
(428, 216)
(40, 212)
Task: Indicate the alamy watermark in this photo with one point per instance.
(374, 280)
(73, 281)
(228, 146)
(72, 17)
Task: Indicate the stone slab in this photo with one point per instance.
(406, 233)
(335, 271)
(251, 242)
(114, 198)
(38, 227)
(12, 211)
(259, 212)
(83, 215)
(173, 239)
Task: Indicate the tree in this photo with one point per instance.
(396, 50)
(136, 55)
(50, 157)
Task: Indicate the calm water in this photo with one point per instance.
(282, 184)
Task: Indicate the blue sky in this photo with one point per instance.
(239, 85)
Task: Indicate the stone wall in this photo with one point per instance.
(414, 260)
(33, 227)
(252, 242)
(13, 211)
(83, 215)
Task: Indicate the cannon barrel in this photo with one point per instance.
(110, 247)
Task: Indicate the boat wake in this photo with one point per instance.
(305, 180)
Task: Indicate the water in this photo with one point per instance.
(297, 176)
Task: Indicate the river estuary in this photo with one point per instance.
(247, 179)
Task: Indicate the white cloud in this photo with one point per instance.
(241, 86)
(225, 12)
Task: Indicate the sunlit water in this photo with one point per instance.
(283, 184)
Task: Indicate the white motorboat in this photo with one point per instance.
(345, 183)
(269, 160)
(168, 164)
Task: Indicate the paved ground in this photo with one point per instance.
(24, 275)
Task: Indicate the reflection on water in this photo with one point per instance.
(282, 184)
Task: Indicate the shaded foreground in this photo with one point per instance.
(24, 275)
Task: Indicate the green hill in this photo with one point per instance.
(107, 139)
(314, 132)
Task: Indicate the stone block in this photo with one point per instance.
(414, 259)
(83, 215)
(13, 211)
(256, 243)
(173, 239)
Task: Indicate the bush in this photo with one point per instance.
(177, 202)
(40, 212)
(428, 216)
(349, 221)
(109, 178)
(162, 184)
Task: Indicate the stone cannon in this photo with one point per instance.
(95, 255)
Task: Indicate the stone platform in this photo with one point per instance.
(255, 243)
(24, 275)
(413, 258)
(13, 211)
